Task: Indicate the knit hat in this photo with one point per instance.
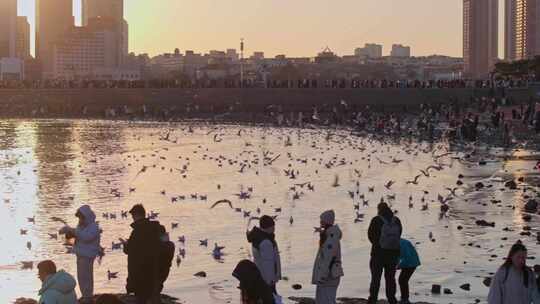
(328, 217)
(266, 222)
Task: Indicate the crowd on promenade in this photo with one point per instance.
(150, 254)
(274, 84)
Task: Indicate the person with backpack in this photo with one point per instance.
(166, 255)
(514, 282)
(408, 262)
(328, 269)
(265, 251)
(142, 249)
(384, 233)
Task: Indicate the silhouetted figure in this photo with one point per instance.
(142, 249)
(253, 288)
(384, 233)
(166, 255)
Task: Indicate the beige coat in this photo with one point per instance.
(329, 252)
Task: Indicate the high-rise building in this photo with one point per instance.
(23, 38)
(480, 37)
(112, 10)
(54, 18)
(8, 27)
(399, 50)
(125, 40)
(370, 50)
(522, 29)
(84, 50)
(102, 8)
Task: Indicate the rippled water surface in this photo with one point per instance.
(50, 168)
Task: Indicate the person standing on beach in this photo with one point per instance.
(166, 255)
(514, 282)
(328, 269)
(265, 251)
(142, 249)
(58, 287)
(384, 233)
(87, 248)
(408, 262)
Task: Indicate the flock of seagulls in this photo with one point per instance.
(306, 173)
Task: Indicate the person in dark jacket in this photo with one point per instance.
(142, 250)
(384, 233)
(265, 251)
(166, 255)
(253, 288)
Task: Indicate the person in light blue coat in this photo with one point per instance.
(87, 247)
(408, 262)
(58, 287)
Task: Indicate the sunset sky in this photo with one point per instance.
(291, 27)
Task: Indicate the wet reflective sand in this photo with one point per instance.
(50, 168)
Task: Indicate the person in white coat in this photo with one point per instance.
(328, 269)
(266, 251)
(87, 247)
(514, 282)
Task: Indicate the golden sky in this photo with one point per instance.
(291, 27)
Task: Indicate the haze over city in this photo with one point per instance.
(274, 26)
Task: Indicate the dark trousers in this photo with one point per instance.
(404, 277)
(378, 264)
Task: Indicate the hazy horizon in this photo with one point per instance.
(299, 29)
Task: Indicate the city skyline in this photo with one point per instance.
(250, 21)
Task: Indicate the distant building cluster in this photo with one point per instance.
(366, 63)
(96, 50)
(481, 33)
(99, 50)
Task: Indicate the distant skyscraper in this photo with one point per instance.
(480, 36)
(522, 29)
(54, 18)
(102, 8)
(23, 38)
(112, 10)
(8, 27)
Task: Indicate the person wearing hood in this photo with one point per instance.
(384, 233)
(265, 251)
(142, 249)
(166, 255)
(408, 262)
(253, 288)
(58, 287)
(87, 247)
(328, 269)
(514, 282)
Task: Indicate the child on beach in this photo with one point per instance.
(87, 248)
(408, 262)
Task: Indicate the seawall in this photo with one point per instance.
(71, 102)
